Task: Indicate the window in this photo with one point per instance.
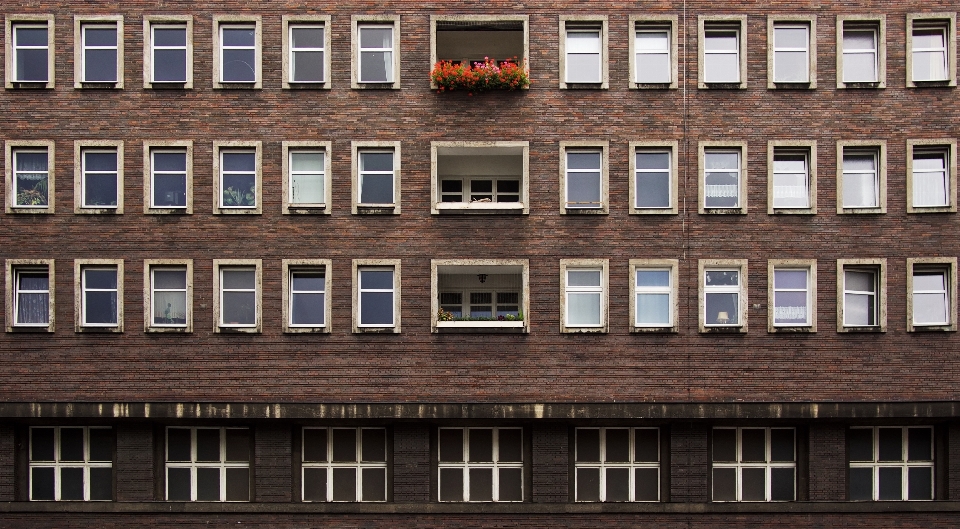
(168, 177)
(344, 464)
(29, 53)
(71, 463)
(931, 49)
(168, 51)
(618, 464)
(306, 177)
(376, 54)
(931, 294)
(98, 181)
(792, 52)
(98, 52)
(861, 289)
(306, 295)
(376, 176)
(583, 287)
(653, 51)
(479, 177)
(30, 176)
(653, 306)
(208, 464)
(469, 39)
(480, 295)
(723, 173)
(584, 178)
(791, 177)
(862, 177)
(891, 463)
(723, 295)
(237, 41)
(861, 62)
(583, 54)
(376, 294)
(306, 51)
(792, 300)
(653, 186)
(99, 290)
(237, 284)
(931, 176)
(237, 177)
(723, 52)
(30, 294)
(168, 291)
(480, 464)
(754, 464)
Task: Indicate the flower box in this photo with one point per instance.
(480, 76)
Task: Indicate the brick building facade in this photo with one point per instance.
(259, 270)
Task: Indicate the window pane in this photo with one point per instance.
(170, 66)
(790, 307)
(920, 483)
(178, 484)
(314, 484)
(239, 308)
(238, 444)
(588, 484)
(208, 484)
(860, 444)
(101, 308)
(375, 66)
(647, 442)
(782, 484)
(344, 484)
(178, 444)
(451, 444)
(373, 444)
(100, 279)
(100, 66)
(306, 37)
(858, 310)
(208, 444)
(511, 445)
(307, 67)
(721, 68)
(239, 66)
(30, 36)
(588, 445)
(169, 36)
(307, 309)
(583, 278)
(169, 190)
(71, 444)
(101, 444)
(653, 309)
(618, 484)
(781, 444)
(373, 37)
(480, 444)
(790, 37)
(376, 189)
(42, 484)
(42, 444)
(753, 445)
(238, 484)
(890, 444)
(861, 483)
(722, 309)
(71, 484)
(647, 484)
(481, 484)
(240, 36)
(653, 68)
(99, 189)
(451, 484)
(859, 190)
(721, 189)
(618, 445)
(859, 68)
(376, 308)
(754, 484)
(374, 484)
(724, 484)
(791, 67)
(919, 444)
(929, 65)
(344, 444)
(583, 189)
(583, 68)
(583, 308)
(101, 484)
(930, 309)
(891, 484)
(314, 444)
(724, 444)
(511, 484)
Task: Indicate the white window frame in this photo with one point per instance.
(904, 464)
(711, 265)
(151, 22)
(706, 148)
(672, 267)
(246, 147)
(80, 267)
(669, 147)
(13, 269)
(221, 22)
(943, 265)
(653, 23)
(80, 150)
(810, 267)
(221, 265)
(359, 147)
(58, 465)
(739, 465)
(466, 465)
(291, 22)
(149, 149)
(80, 25)
(809, 23)
(358, 466)
(291, 266)
(358, 22)
(878, 148)
(879, 268)
(947, 147)
(808, 149)
(603, 465)
(590, 147)
(947, 22)
(12, 77)
(290, 207)
(11, 148)
(722, 23)
(193, 464)
(360, 265)
(603, 289)
(151, 265)
(876, 24)
(584, 24)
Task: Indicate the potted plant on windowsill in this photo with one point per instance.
(507, 321)
(480, 76)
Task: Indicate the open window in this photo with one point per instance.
(931, 49)
(480, 295)
(653, 51)
(861, 295)
(480, 177)
(932, 176)
(30, 295)
(861, 51)
(791, 177)
(932, 294)
(723, 52)
(861, 176)
(469, 39)
(792, 51)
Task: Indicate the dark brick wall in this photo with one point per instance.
(953, 462)
(274, 462)
(828, 474)
(7, 463)
(135, 467)
(689, 460)
(411, 463)
(551, 463)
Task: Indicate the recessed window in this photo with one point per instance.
(376, 295)
(722, 52)
(208, 464)
(617, 464)
(376, 171)
(30, 177)
(792, 295)
(238, 284)
(376, 52)
(237, 64)
(100, 295)
(168, 51)
(861, 59)
(169, 291)
(653, 57)
(891, 463)
(754, 464)
(306, 303)
(98, 186)
(791, 53)
(238, 178)
(479, 177)
(306, 44)
(470, 40)
(344, 464)
(306, 177)
(931, 49)
(862, 177)
(583, 53)
(168, 175)
(583, 285)
(30, 57)
(931, 176)
(723, 295)
(861, 290)
(98, 59)
(584, 178)
(653, 182)
(791, 177)
(480, 295)
(480, 464)
(723, 176)
(72, 463)
(653, 304)
(931, 294)
(30, 295)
